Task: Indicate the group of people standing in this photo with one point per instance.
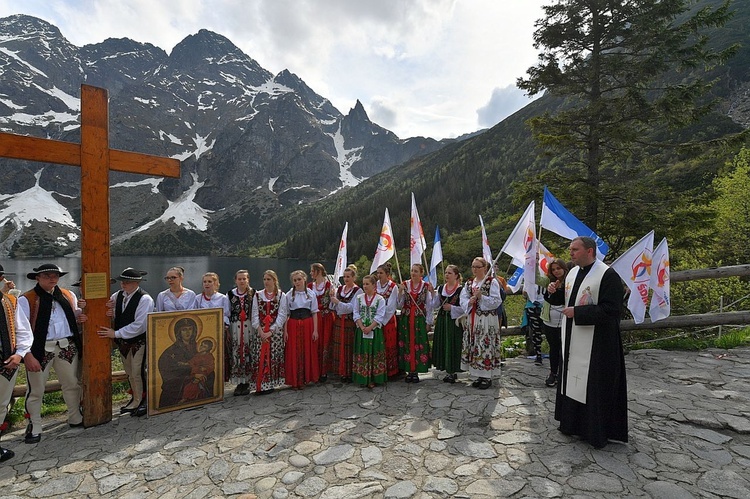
(364, 333)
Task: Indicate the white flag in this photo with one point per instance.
(545, 258)
(530, 257)
(417, 243)
(660, 301)
(386, 247)
(634, 267)
(515, 246)
(341, 262)
(437, 256)
(486, 252)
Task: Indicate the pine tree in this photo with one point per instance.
(621, 69)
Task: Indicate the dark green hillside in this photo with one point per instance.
(496, 174)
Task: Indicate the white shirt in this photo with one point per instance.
(140, 323)
(166, 301)
(217, 300)
(306, 299)
(392, 303)
(58, 324)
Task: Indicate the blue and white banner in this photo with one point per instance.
(556, 218)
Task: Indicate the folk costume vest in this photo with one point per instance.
(324, 299)
(240, 306)
(125, 317)
(581, 337)
(40, 311)
(7, 326)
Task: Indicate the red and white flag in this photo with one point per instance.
(660, 300)
(386, 248)
(341, 262)
(634, 267)
(545, 258)
(417, 243)
(521, 247)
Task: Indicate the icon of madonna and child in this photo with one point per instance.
(189, 356)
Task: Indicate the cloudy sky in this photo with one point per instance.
(438, 68)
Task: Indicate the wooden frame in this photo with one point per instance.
(185, 372)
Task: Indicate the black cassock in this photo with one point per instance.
(605, 414)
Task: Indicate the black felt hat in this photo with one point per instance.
(47, 267)
(130, 274)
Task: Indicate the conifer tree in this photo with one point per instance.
(621, 70)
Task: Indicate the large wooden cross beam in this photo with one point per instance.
(96, 159)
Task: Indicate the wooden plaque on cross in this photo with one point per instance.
(96, 160)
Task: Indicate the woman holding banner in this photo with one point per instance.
(415, 299)
(385, 288)
(448, 339)
(322, 288)
(342, 302)
(480, 298)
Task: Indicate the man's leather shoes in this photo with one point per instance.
(6, 454)
(141, 410)
(126, 410)
(32, 438)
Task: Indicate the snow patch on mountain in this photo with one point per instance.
(14, 55)
(73, 103)
(184, 212)
(201, 147)
(33, 204)
(153, 182)
(346, 158)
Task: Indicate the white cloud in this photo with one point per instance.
(503, 102)
(434, 61)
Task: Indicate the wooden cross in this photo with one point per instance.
(96, 159)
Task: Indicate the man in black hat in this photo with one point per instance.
(54, 314)
(130, 308)
(15, 342)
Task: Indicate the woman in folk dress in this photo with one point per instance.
(480, 298)
(322, 288)
(448, 337)
(342, 302)
(267, 345)
(369, 364)
(389, 291)
(415, 299)
(241, 331)
(301, 333)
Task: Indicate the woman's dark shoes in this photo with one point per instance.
(476, 382)
(415, 378)
(126, 410)
(450, 378)
(264, 392)
(484, 383)
(551, 380)
(323, 378)
(242, 389)
(346, 379)
(6, 454)
(538, 360)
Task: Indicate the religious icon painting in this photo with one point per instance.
(185, 353)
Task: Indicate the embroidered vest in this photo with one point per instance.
(9, 325)
(236, 305)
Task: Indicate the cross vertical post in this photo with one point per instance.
(97, 366)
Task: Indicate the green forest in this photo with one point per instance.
(668, 152)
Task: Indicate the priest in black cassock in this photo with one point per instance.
(592, 394)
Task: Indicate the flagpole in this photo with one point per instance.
(398, 267)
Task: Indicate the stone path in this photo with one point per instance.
(689, 437)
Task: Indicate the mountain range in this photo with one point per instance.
(250, 143)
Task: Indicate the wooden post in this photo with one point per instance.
(95, 158)
(97, 371)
